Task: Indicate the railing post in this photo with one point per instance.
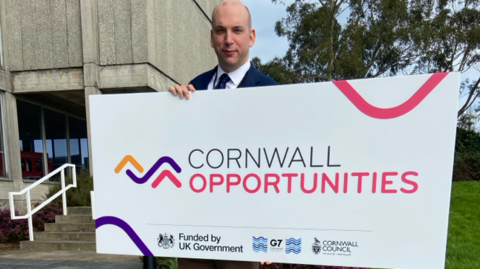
(29, 214)
(12, 205)
(64, 195)
(92, 199)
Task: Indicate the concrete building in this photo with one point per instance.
(56, 53)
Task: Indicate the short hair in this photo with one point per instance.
(248, 12)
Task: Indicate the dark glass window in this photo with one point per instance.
(56, 138)
(30, 131)
(61, 145)
(39, 166)
(78, 142)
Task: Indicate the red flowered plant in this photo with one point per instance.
(17, 230)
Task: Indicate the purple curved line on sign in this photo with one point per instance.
(146, 177)
(127, 229)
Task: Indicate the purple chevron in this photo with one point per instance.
(146, 177)
(127, 229)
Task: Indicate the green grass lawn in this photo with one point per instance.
(463, 247)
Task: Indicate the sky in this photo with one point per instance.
(264, 16)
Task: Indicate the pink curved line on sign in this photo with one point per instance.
(393, 112)
(164, 174)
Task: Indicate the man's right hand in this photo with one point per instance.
(182, 90)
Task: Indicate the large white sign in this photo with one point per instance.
(352, 173)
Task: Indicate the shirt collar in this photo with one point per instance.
(235, 76)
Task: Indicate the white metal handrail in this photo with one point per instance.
(26, 191)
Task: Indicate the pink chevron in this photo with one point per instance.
(163, 174)
(393, 112)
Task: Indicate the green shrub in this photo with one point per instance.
(466, 166)
(79, 196)
(467, 156)
(167, 263)
(467, 142)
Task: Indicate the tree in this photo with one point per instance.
(447, 35)
(373, 41)
(379, 38)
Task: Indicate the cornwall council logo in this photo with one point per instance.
(166, 241)
(316, 246)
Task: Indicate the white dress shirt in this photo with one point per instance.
(236, 76)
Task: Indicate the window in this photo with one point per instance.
(49, 139)
(30, 131)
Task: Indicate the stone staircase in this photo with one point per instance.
(74, 232)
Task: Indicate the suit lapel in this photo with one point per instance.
(203, 84)
(251, 78)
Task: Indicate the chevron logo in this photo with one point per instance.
(141, 180)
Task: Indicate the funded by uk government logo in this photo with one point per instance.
(166, 241)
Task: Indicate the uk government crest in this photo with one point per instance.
(166, 241)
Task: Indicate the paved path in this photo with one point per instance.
(20, 259)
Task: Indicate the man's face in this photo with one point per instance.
(231, 36)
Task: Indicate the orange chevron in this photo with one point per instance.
(125, 160)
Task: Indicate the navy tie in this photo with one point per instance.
(222, 82)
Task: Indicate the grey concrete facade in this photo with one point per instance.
(59, 52)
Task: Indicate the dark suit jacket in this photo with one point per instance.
(253, 78)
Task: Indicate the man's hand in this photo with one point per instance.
(182, 90)
(267, 262)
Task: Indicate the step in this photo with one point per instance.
(58, 245)
(68, 236)
(79, 210)
(74, 219)
(69, 227)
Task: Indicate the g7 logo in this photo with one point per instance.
(276, 242)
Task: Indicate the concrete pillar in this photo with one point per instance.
(91, 59)
(90, 91)
(89, 17)
(12, 142)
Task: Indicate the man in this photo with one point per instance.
(231, 37)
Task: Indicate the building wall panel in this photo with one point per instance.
(182, 46)
(43, 27)
(43, 34)
(161, 44)
(29, 35)
(123, 34)
(151, 16)
(106, 28)
(13, 37)
(139, 31)
(74, 33)
(59, 33)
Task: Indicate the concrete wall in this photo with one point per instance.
(59, 46)
(207, 6)
(173, 36)
(43, 34)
